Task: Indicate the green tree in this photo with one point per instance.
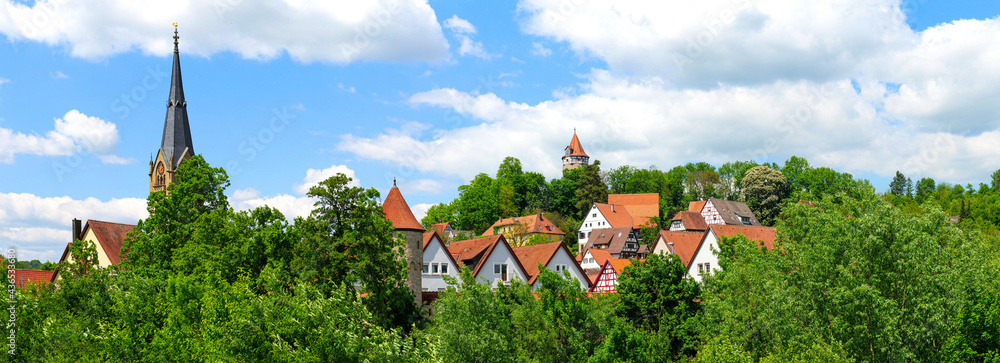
(672, 196)
(590, 189)
(478, 205)
(732, 174)
(440, 213)
(793, 170)
(925, 188)
(765, 189)
(897, 186)
(657, 296)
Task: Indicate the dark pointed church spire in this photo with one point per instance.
(176, 131)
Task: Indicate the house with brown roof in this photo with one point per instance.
(437, 264)
(602, 215)
(682, 244)
(620, 242)
(706, 260)
(107, 237)
(642, 207)
(24, 277)
(553, 256)
(607, 279)
(446, 231)
(688, 221)
(489, 258)
(721, 211)
(519, 230)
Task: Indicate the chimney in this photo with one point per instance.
(670, 246)
(612, 208)
(76, 230)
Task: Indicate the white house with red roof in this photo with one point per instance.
(706, 259)
(602, 216)
(489, 258)
(553, 256)
(438, 263)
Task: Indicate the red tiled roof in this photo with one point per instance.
(576, 147)
(477, 249)
(619, 264)
(617, 216)
(763, 234)
(22, 277)
(439, 227)
(397, 211)
(531, 256)
(615, 238)
(535, 223)
(110, 235)
(635, 199)
(696, 206)
(428, 236)
(685, 243)
(691, 220)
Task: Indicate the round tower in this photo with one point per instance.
(574, 157)
(398, 212)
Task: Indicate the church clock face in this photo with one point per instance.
(160, 170)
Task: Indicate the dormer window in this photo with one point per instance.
(745, 220)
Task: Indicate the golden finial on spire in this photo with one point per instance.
(175, 38)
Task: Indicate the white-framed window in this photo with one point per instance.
(434, 269)
(583, 235)
(423, 289)
(701, 268)
(440, 289)
(708, 267)
(500, 269)
(595, 215)
(426, 269)
(444, 268)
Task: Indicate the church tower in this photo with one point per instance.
(575, 157)
(398, 212)
(176, 146)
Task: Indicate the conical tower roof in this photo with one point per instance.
(576, 148)
(398, 212)
(176, 130)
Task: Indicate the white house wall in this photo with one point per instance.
(436, 253)
(563, 258)
(500, 254)
(593, 220)
(588, 261)
(705, 255)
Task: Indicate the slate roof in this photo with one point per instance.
(731, 211)
(176, 130)
(397, 211)
(685, 243)
(535, 223)
(693, 221)
(110, 235)
(23, 277)
(576, 149)
(614, 238)
(617, 216)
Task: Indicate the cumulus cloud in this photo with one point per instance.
(308, 31)
(314, 176)
(74, 132)
(540, 50)
(420, 210)
(462, 30)
(291, 206)
(39, 227)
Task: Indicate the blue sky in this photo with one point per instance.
(438, 91)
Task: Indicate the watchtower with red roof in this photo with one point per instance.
(398, 212)
(575, 157)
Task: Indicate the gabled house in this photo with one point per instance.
(445, 230)
(721, 211)
(489, 258)
(688, 221)
(553, 256)
(683, 244)
(620, 242)
(642, 207)
(437, 263)
(107, 237)
(607, 279)
(603, 215)
(705, 260)
(518, 230)
(591, 261)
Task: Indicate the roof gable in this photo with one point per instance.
(531, 256)
(731, 211)
(432, 236)
(696, 206)
(397, 211)
(617, 216)
(576, 149)
(535, 223)
(479, 250)
(110, 235)
(24, 277)
(685, 244)
(691, 220)
(615, 238)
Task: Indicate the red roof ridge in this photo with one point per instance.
(398, 212)
(577, 148)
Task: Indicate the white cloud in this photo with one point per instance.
(420, 210)
(345, 88)
(74, 132)
(540, 50)
(314, 176)
(57, 75)
(462, 29)
(308, 31)
(40, 226)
